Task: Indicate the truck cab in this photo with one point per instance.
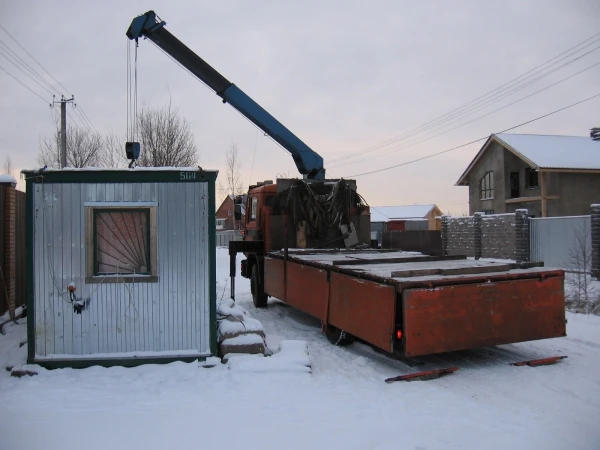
(297, 214)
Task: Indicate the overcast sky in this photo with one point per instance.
(344, 76)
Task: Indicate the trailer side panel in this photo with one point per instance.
(468, 316)
(301, 286)
(365, 309)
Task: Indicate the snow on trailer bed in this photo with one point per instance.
(409, 268)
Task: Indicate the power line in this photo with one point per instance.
(466, 123)
(25, 72)
(76, 117)
(24, 63)
(471, 104)
(457, 116)
(38, 63)
(24, 85)
(87, 119)
(472, 142)
(83, 116)
(477, 100)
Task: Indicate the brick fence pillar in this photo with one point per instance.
(595, 213)
(10, 257)
(477, 220)
(445, 220)
(522, 248)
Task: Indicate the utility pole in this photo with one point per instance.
(63, 128)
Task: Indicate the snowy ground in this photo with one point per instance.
(342, 404)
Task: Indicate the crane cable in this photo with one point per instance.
(127, 137)
(132, 87)
(135, 92)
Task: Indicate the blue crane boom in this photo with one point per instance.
(308, 162)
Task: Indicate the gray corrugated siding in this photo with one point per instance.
(559, 241)
(171, 315)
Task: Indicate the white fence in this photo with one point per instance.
(563, 242)
(223, 237)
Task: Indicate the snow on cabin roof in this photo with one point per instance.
(386, 213)
(121, 169)
(545, 152)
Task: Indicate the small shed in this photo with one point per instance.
(122, 266)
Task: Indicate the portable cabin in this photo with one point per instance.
(122, 266)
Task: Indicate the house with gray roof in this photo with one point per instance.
(547, 175)
(403, 218)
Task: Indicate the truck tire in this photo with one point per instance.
(259, 298)
(338, 336)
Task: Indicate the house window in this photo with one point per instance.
(121, 244)
(531, 178)
(221, 223)
(488, 212)
(487, 186)
(229, 212)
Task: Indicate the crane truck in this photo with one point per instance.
(306, 243)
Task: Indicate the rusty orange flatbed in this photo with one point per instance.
(415, 304)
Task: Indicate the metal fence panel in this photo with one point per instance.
(563, 242)
(223, 237)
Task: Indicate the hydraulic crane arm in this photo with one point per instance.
(309, 163)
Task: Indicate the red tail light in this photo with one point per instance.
(398, 334)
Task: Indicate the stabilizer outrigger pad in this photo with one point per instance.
(539, 362)
(422, 376)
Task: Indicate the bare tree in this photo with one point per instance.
(114, 151)
(165, 138)
(233, 179)
(85, 148)
(582, 295)
(7, 169)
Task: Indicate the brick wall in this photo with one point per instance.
(460, 236)
(492, 236)
(8, 257)
(498, 236)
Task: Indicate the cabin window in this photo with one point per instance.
(121, 244)
(253, 208)
(531, 178)
(487, 186)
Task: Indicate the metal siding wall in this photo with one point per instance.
(552, 239)
(171, 315)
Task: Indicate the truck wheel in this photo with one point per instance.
(259, 298)
(338, 337)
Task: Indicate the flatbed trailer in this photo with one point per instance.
(411, 304)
